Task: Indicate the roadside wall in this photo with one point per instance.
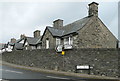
(105, 62)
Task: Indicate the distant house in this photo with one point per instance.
(10, 45)
(88, 32)
(2, 46)
(31, 43)
(26, 43)
(18, 46)
(19, 43)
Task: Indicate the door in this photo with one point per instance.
(47, 44)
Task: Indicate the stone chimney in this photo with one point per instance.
(36, 33)
(13, 40)
(93, 9)
(22, 36)
(58, 23)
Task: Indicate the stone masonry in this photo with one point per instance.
(105, 62)
(88, 32)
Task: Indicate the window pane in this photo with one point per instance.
(68, 41)
(57, 41)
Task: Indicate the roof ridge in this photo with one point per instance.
(55, 28)
(76, 21)
(69, 28)
(29, 37)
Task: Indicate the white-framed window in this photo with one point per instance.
(11, 47)
(38, 47)
(26, 47)
(58, 41)
(68, 40)
(26, 43)
(47, 44)
(33, 47)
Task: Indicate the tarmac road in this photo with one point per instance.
(13, 74)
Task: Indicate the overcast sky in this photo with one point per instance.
(18, 18)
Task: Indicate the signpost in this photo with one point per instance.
(60, 49)
(63, 53)
(83, 67)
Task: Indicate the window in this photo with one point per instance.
(33, 47)
(68, 41)
(47, 43)
(38, 47)
(11, 47)
(26, 48)
(57, 41)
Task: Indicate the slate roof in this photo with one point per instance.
(18, 46)
(33, 41)
(17, 41)
(10, 43)
(55, 31)
(70, 28)
(2, 46)
(75, 26)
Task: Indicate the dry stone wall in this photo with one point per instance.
(105, 62)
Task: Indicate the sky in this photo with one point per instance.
(118, 21)
(18, 18)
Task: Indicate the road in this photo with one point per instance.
(13, 74)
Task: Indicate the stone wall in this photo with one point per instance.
(95, 35)
(105, 62)
(52, 41)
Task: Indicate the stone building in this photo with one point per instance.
(10, 45)
(31, 43)
(88, 32)
(19, 43)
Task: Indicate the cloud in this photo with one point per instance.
(109, 15)
(25, 17)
